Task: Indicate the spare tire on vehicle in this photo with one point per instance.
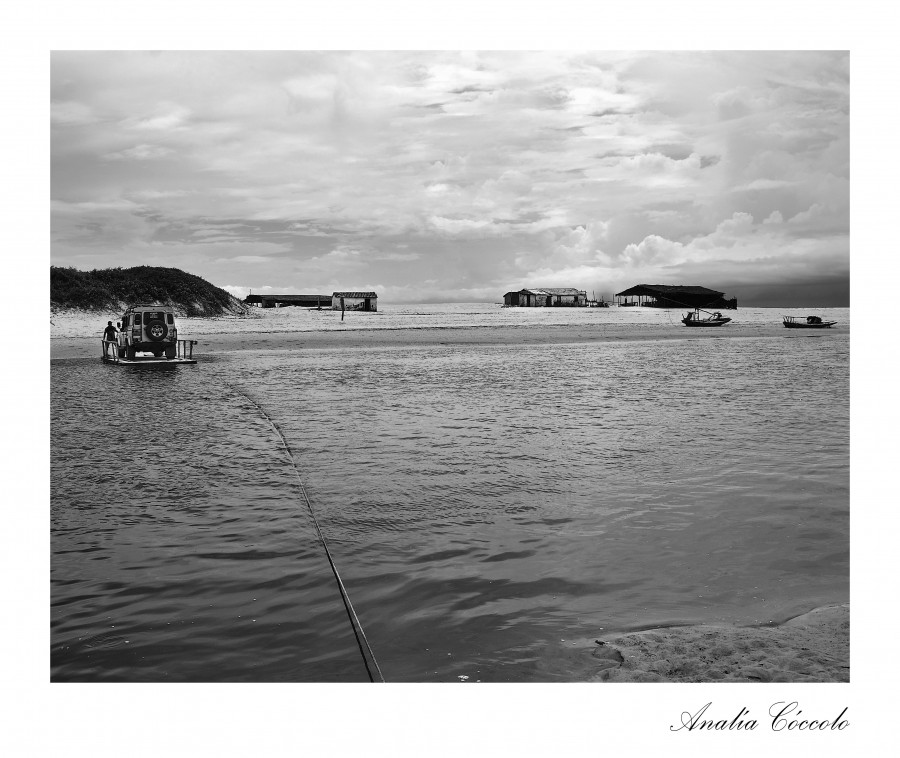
(157, 329)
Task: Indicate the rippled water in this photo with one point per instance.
(484, 505)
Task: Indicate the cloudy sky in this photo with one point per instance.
(458, 176)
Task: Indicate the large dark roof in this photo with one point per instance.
(668, 289)
(353, 294)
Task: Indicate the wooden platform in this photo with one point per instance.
(184, 353)
(149, 361)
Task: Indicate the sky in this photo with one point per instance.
(458, 176)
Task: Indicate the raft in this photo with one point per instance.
(114, 354)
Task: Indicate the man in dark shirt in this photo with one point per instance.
(109, 334)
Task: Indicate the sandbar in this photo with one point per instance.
(72, 337)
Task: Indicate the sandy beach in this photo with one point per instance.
(813, 647)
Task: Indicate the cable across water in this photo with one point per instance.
(361, 639)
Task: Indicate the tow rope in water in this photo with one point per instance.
(358, 632)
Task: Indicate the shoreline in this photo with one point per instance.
(811, 647)
(211, 342)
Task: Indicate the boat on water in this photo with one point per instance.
(807, 322)
(712, 319)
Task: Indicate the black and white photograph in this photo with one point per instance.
(377, 365)
(514, 367)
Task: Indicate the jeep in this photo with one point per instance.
(148, 329)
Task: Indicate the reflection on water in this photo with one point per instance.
(482, 504)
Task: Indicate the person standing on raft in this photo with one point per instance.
(109, 335)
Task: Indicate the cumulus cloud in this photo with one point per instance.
(581, 245)
(451, 172)
(815, 211)
(651, 250)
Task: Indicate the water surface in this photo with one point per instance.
(485, 505)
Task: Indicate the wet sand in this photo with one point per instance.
(813, 647)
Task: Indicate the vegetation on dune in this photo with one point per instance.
(111, 289)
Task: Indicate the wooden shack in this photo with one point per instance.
(547, 297)
(354, 301)
(280, 301)
(674, 296)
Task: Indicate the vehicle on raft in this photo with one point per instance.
(807, 322)
(713, 319)
(148, 334)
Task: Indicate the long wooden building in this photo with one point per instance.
(674, 296)
(547, 297)
(277, 301)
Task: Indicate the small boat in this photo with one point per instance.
(713, 319)
(807, 322)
